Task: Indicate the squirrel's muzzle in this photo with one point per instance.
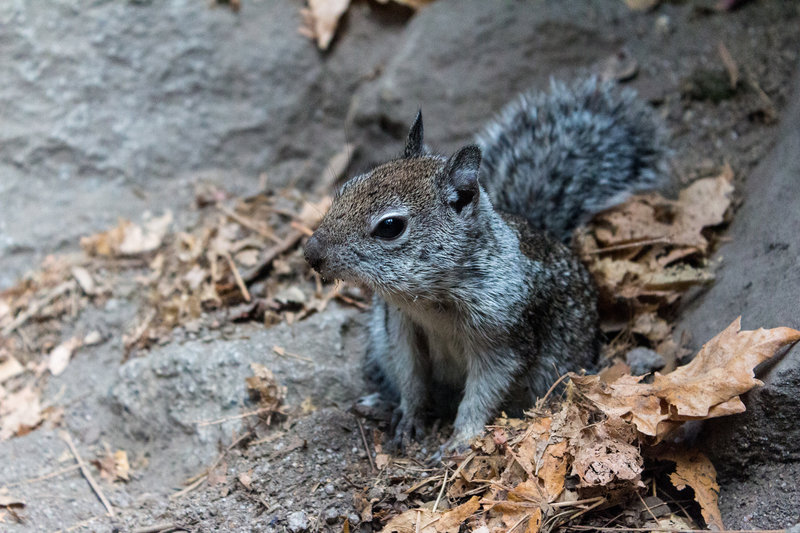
(314, 252)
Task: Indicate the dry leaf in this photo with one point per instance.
(129, 239)
(114, 466)
(642, 5)
(246, 479)
(451, 520)
(382, 459)
(10, 501)
(693, 469)
(321, 18)
(707, 387)
(9, 366)
(59, 358)
(85, 280)
(264, 388)
(19, 412)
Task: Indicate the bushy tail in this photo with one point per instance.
(558, 158)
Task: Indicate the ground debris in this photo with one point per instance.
(588, 456)
(646, 253)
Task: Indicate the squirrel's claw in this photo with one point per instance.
(405, 427)
(455, 447)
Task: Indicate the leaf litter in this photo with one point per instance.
(572, 460)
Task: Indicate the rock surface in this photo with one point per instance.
(473, 55)
(760, 280)
(173, 388)
(112, 108)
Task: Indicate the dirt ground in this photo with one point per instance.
(309, 470)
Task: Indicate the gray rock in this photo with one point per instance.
(760, 280)
(112, 108)
(174, 387)
(474, 56)
(331, 515)
(297, 522)
(643, 361)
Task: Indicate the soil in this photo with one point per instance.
(310, 471)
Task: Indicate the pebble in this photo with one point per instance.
(331, 516)
(330, 489)
(643, 361)
(298, 522)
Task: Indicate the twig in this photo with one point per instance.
(441, 492)
(632, 244)
(366, 446)
(237, 277)
(156, 528)
(198, 480)
(282, 247)
(301, 227)
(283, 353)
(247, 223)
(346, 299)
(43, 477)
(88, 475)
(652, 514)
(262, 410)
(550, 390)
(524, 517)
(730, 64)
(38, 305)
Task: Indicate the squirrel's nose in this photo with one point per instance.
(314, 252)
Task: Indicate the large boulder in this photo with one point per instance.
(474, 56)
(112, 108)
(760, 280)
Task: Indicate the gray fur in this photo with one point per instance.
(557, 158)
(471, 301)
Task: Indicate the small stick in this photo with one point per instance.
(237, 277)
(346, 299)
(441, 491)
(262, 410)
(282, 247)
(283, 353)
(300, 227)
(155, 528)
(88, 475)
(247, 223)
(198, 480)
(632, 244)
(366, 446)
(419, 517)
(43, 477)
(524, 517)
(730, 64)
(38, 305)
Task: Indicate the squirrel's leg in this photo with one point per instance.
(490, 376)
(396, 344)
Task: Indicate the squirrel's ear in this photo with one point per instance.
(459, 180)
(414, 146)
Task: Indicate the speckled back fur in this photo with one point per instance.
(559, 157)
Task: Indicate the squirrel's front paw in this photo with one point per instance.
(406, 427)
(455, 447)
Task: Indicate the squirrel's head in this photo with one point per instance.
(404, 227)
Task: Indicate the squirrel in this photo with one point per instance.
(476, 294)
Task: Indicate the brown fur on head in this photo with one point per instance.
(402, 228)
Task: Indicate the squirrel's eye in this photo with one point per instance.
(389, 228)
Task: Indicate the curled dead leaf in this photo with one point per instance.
(709, 386)
(694, 469)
